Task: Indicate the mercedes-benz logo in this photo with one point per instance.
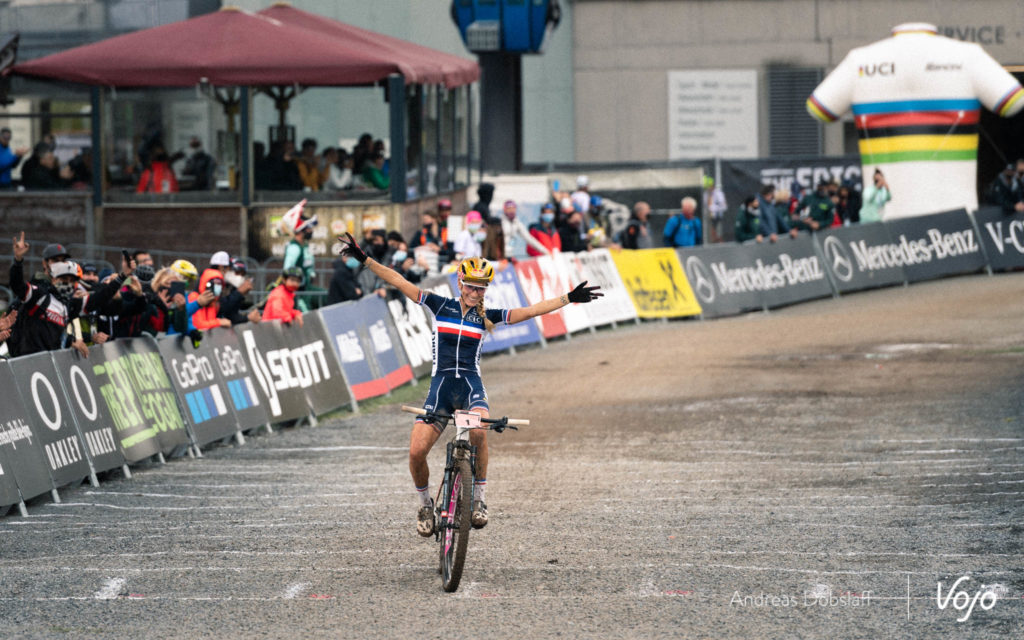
(836, 256)
(700, 279)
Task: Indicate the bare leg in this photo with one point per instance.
(423, 438)
(478, 438)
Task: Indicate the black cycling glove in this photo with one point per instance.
(583, 293)
(350, 249)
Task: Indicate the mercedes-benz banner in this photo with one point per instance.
(787, 271)
(937, 245)
(724, 278)
(862, 257)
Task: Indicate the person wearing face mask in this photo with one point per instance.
(513, 227)
(468, 244)
(211, 285)
(545, 233)
(573, 233)
(748, 221)
(233, 303)
(281, 301)
(47, 309)
(298, 253)
(343, 285)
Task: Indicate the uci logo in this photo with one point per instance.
(700, 279)
(838, 259)
(881, 69)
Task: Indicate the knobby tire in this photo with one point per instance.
(455, 540)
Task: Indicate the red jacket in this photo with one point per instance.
(206, 317)
(152, 179)
(281, 305)
(551, 241)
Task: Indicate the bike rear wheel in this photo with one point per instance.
(456, 525)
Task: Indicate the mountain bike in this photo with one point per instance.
(454, 502)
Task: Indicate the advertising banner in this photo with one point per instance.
(341, 323)
(50, 418)
(936, 245)
(861, 257)
(8, 485)
(597, 267)
(272, 364)
(656, 283)
(788, 271)
(412, 322)
(111, 374)
(154, 392)
(1002, 236)
(23, 454)
(538, 285)
(568, 273)
(315, 365)
(723, 277)
(202, 392)
(89, 408)
(231, 365)
(504, 292)
(383, 340)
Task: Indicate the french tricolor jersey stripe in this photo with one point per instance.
(458, 336)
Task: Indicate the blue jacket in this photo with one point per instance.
(8, 160)
(772, 220)
(683, 232)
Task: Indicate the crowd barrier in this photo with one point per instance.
(64, 419)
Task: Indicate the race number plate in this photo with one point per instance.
(467, 419)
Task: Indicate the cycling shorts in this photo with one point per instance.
(448, 393)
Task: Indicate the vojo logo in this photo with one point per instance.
(838, 259)
(700, 279)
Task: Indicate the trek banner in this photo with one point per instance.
(50, 418)
(199, 387)
(89, 409)
(656, 283)
(21, 453)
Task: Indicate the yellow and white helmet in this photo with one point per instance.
(185, 269)
(476, 271)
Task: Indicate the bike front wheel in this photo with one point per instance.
(456, 524)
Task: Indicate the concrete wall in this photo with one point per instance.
(624, 50)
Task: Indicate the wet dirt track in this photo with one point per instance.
(813, 472)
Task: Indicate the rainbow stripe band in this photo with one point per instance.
(819, 110)
(920, 156)
(906, 106)
(1009, 102)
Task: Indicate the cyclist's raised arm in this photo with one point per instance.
(349, 248)
(582, 293)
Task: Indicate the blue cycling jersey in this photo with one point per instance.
(458, 337)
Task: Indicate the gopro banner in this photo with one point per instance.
(277, 368)
(154, 392)
(1002, 235)
(89, 409)
(504, 292)
(724, 278)
(229, 361)
(862, 257)
(656, 283)
(110, 369)
(412, 323)
(788, 271)
(203, 394)
(936, 245)
(23, 456)
(383, 340)
(314, 364)
(341, 323)
(50, 418)
(540, 285)
(598, 268)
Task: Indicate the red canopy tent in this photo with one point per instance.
(429, 65)
(229, 47)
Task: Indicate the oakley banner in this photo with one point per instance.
(50, 418)
(861, 256)
(788, 271)
(89, 409)
(937, 245)
(724, 278)
(111, 373)
(154, 392)
(275, 367)
(504, 292)
(22, 452)
(1003, 237)
(597, 267)
(315, 364)
(342, 325)
(538, 285)
(383, 340)
(228, 357)
(413, 326)
(202, 392)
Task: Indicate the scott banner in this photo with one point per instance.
(89, 409)
(50, 418)
(1002, 235)
(862, 256)
(278, 370)
(21, 453)
(724, 278)
(656, 283)
(936, 245)
(314, 364)
(504, 292)
(383, 340)
(202, 392)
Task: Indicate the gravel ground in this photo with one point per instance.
(813, 472)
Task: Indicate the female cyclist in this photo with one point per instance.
(459, 326)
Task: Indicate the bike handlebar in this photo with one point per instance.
(509, 421)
